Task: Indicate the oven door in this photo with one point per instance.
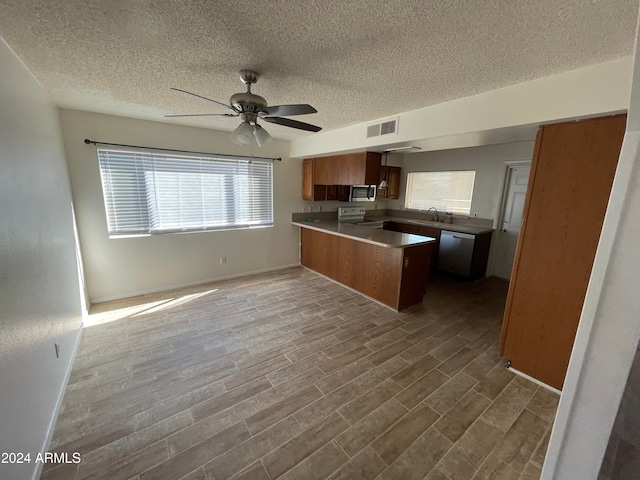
(362, 193)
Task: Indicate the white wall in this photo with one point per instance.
(116, 268)
(488, 162)
(39, 290)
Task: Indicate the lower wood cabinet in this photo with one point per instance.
(396, 277)
(480, 255)
(435, 233)
(402, 227)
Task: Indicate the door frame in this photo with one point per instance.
(497, 225)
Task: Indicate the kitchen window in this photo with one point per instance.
(448, 191)
(147, 192)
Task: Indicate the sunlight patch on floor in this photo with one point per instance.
(138, 306)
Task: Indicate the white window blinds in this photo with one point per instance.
(147, 192)
(448, 191)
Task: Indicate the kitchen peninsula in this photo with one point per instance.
(389, 267)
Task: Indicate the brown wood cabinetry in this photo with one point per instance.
(480, 256)
(394, 183)
(336, 192)
(328, 178)
(310, 190)
(402, 227)
(392, 176)
(571, 176)
(481, 244)
(307, 179)
(396, 277)
(435, 233)
(361, 168)
(418, 230)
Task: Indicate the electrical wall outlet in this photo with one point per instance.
(223, 259)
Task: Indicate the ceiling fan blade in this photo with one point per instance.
(205, 115)
(288, 110)
(287, 122)
(205, 98)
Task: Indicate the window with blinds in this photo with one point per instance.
(150, 193)
(448, 191)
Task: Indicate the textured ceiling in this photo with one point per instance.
(354, 60)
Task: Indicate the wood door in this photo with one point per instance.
(393, 192)
(507, 234)
(572, 172)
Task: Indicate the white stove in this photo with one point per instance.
(355, 215)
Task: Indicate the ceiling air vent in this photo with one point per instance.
(388, 127)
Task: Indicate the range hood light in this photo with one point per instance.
(400, 149)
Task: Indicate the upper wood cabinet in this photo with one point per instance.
(310, 190)
(307, 179)
(571, 176)
(392, 176)
(362, 168)
(393, 193)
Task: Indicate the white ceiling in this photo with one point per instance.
(354, 60)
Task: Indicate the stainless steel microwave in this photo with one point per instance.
(362, 193)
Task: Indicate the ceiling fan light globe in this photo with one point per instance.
(243, 134)
(262, 136)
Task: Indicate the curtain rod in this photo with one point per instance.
(88, 142)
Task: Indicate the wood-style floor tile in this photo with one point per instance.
(286, 375)
(364, 466)
(507, 406)
(458, 418)
(520, 442)
(236, 459)
(468, 454)
(319, 465)
(418, 459)
(297, 449)
(371, 426)
(448, 394)
(403, 433)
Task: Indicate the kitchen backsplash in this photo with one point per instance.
(333, 215)
(458, 219)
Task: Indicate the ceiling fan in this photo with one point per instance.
(251, 107)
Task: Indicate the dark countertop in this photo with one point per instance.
(376, 236)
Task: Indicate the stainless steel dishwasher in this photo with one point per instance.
(456, 252)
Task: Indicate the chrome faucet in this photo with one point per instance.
(435, 218)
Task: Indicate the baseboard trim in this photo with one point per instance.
(56, 411)
(534, 380)
(190, 284)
